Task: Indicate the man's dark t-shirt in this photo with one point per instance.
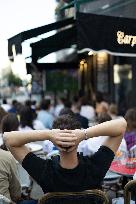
(52, 177)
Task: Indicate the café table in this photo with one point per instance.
(111, 182)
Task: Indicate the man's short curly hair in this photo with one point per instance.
(65, 111)
(66, 121)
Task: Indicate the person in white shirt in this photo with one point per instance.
(5, 105)
(87, 110)
(90, 146)
(44, 114)
(59, 106)
(37, 124)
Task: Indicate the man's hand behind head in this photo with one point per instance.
(63, 139)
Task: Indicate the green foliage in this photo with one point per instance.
(13, 79)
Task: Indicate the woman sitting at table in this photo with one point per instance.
(9, 183)
(26, 119)
(130, 134)
(9, 123)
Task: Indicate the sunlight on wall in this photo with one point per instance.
(4, 60)
(19, 66)
(18, 16)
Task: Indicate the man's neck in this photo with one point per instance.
(68, 160)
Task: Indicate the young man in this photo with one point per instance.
(69, 171)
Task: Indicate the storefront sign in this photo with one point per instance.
(99, 32)
(126, 39)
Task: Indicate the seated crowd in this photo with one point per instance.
(97, 133)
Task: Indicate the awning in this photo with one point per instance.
(19, 38)
(63, 39)
(49, 66)
(115, 35)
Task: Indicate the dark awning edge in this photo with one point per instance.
(47, 66)
(107, 51)
(19, 38)
(61, 40)
(115, 35)
(44, 29)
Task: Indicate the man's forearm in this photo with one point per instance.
(111, 128)
(18, 138)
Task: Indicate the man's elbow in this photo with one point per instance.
(123, 126)
(7, 139)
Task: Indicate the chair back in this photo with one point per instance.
(130, 192)
(85, 197)
(23, 176)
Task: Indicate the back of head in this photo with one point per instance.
(85, 101)
(113, 109)
(45, 104)
(99, 97)
(130, 117)
(67, 103)
(105, 106)
(66, 121)
(4, 101)
(76, 107)
(102, 107)
(26, 116)
(14, 102)
(75, 99)
(33, 102)
(66, 111)
(9, 123)
(2, 113)
(28, 103)
(103, 117)
(61, 100)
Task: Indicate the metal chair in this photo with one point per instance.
(112, 182)
(25, 180)
(84, 197)
(130, 192)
